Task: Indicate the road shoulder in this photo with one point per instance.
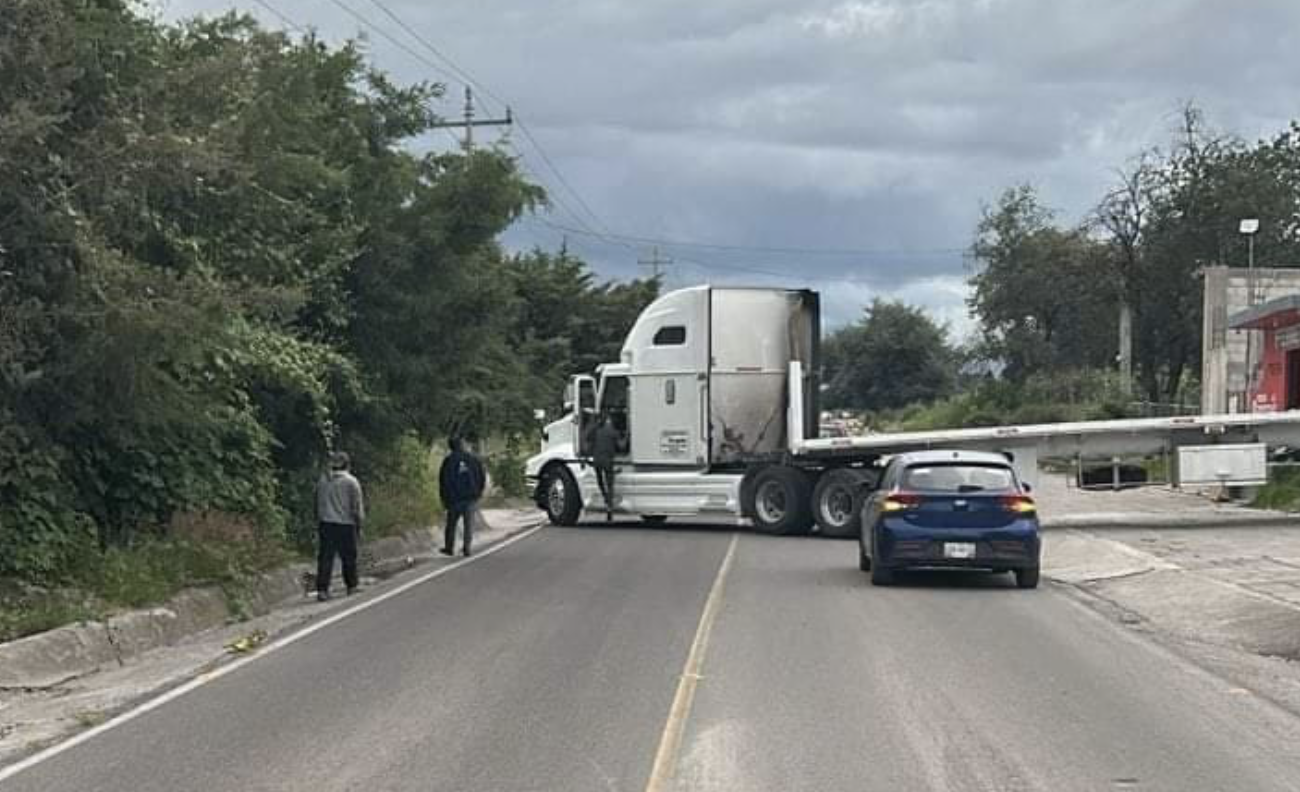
(33, 718)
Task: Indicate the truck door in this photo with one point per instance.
(614, 401)
(584, 412)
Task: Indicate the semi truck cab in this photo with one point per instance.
(700, 396)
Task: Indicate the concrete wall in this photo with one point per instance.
(1224, 366)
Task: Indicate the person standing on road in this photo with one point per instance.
(460, 483)
(605, 445)
(340, 510)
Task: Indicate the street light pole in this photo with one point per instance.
(1250, 227)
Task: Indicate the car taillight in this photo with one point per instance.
(901, 501)
(1021, 504)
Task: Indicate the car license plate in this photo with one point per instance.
(958, 549)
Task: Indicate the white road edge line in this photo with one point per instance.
(670, 743)
(274, 646)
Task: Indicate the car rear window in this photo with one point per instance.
(958, 478)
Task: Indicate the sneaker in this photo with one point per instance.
(446, 552)
(322, 596)
(352, 590)
(468, 552)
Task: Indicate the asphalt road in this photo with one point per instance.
(554, 664)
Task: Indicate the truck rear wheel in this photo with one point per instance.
(781, 501)
(837, 502)
(562, 501)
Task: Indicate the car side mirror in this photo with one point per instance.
(1026, 486)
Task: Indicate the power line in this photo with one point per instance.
(437, 53)
(287, 21)
(284, 20)
(396, 42)
(528, 133)
(523, 127)
(678, 243)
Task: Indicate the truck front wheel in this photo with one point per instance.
(781, 501)
(562, 501)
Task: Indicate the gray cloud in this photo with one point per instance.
(870, 124)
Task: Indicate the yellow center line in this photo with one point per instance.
(670, 743)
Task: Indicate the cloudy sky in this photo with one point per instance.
(846, 145)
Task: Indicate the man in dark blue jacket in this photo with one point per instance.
(460, 482)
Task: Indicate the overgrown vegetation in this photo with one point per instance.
(1282, 492)
(1068, 396)
(219, 259)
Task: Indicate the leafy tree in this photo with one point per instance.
(1206, 184)
(1043, 296)
(217, 259)
(894, 357)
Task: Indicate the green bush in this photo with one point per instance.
(156, 569)
(507, 472)
(506, 468)
(403, 493)
(1282, 492)
(1064, 396)
(29, 610)
(41, 535)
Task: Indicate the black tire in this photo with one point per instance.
(881, 576)
(864, 560)
(654, 519)
(1027, 578)
(560, 496)
(837, 502)
(781, 501)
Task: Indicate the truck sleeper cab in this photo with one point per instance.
(701, 392)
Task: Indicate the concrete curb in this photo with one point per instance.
(1224, 518)
(49, 659)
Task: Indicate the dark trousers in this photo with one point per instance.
(462, 513)
(605, 478)
(341, 540)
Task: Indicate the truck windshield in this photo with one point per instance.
(958, 478)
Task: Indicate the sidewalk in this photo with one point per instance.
(1063, 505)
(1229, 599)
(64, 700)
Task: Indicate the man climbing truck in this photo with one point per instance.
(715, 394)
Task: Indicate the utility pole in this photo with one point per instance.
(469, 121)
(655, 262)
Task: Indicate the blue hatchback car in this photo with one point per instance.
(950, 509)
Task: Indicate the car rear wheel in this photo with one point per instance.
(654, 519)
(562, 502)
(781, 501)
(837, 502)
(881, 576)
(1027, 578)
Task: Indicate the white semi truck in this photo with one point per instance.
(716, 394)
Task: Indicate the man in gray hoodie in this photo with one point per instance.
(340, 509)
